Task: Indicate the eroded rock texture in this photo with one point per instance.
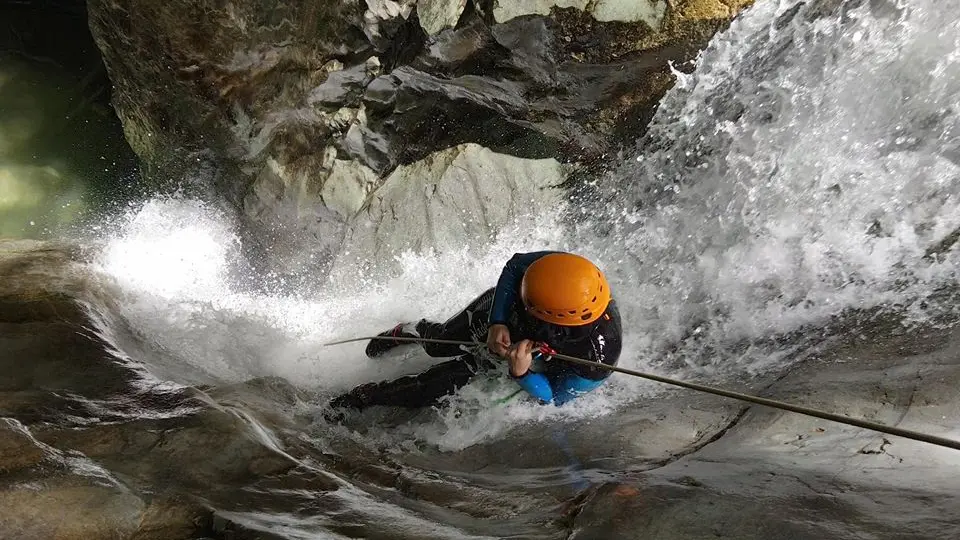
(276, 101)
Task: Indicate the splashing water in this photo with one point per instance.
(173, 259)
(802, 170)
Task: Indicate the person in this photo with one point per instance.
(544, 302)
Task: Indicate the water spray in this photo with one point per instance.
(799, 409)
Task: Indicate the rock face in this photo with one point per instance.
(92, 445)
(773, 474)
(448, 201)
(274, 102)
(650, 12)
(89, 446)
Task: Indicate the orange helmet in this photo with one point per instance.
(565, 289)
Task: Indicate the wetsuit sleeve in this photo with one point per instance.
(537, 385)
(571, 386)
(509, 284)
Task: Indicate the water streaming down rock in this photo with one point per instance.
(806, 169)
(207, 417)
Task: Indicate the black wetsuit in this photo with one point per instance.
(557, 383)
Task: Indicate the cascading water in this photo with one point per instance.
(802, 172)
(804, 169)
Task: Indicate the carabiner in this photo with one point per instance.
(544, 352)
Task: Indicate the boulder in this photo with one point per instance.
(91, 445)
(438, 15)
(298, 110)
(459, 197)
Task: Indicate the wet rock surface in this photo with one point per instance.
(266, 104)
(121, 454)
(91, 447)
(443, 202)
(776, 474)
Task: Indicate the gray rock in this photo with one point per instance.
(347, 187)
(459, 197)
(776, 474)
(438, 15)
(650, 12)
(91, 446)
(245, 99)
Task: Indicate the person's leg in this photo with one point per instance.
(414, 391)
(378, 347)
(468, 325)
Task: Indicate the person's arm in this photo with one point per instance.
(506, 291)
(537, 385)
(572, 386)
(548, 389)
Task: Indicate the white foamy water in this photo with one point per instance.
(802, 170)
(172, 260)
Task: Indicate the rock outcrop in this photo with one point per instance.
(91, 446)
(445, 202)
(274, 103)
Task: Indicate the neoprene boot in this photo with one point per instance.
(377, 347)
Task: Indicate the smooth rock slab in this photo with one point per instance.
(777, 474)
(458, 197)
(17, 449)
(69, 513)
(90, 445)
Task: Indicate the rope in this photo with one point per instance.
(866, 424)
